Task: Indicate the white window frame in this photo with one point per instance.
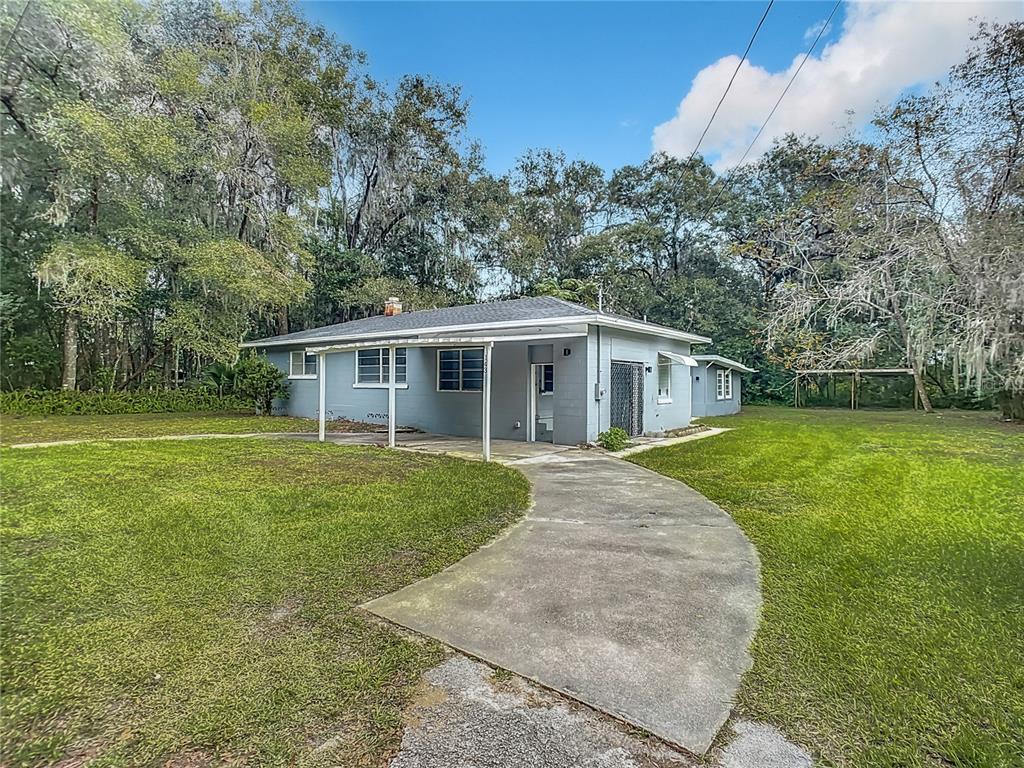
(461, 351)
(723, 384)
(540, 389)
(306, 356)
(664, 364)
(384, 355)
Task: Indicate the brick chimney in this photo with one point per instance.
(392, 307)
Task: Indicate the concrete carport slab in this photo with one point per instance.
(623, 589)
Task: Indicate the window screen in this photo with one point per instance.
(664, 380)
(460, 370)
(302, 364)
(372, 366)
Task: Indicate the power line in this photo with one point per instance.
(731, 79)
(778, 101)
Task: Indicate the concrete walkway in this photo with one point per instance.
(623, 589)
(646, 444)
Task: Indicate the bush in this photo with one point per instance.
(1012, 405)
(221, 377)
(614, 439)
(42, 402)
(260, 382)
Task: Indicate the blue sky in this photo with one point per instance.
(596, 79)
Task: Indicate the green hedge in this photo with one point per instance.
(38, 402)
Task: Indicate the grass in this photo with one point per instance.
(892, 556)
(187, 603)
(38, 429)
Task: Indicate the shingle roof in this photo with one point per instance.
(493, 313)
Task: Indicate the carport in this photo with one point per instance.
(486, 343)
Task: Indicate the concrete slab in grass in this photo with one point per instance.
(623, 589)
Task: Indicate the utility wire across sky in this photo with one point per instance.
(778, 101)
(731, 79)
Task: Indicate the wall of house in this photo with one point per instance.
(419, 404)
(572, 395)
(705, 400)
(641, 348)
(578, 416)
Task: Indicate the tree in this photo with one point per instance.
(926, 232)
(780, 200)
(261, 381)
(553, 206)
(877, 295)
(194, 149)
(91, 281)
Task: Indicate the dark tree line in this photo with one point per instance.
(180, 176)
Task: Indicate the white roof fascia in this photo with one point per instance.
(605, 320)
(649, 328)
(724, 362)
(441, 341)
(546, 322)
(675, 357)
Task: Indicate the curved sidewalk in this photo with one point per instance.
(623, 589)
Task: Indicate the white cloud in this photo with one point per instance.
(882, 49)
(812, 31)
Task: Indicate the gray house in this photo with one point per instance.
(716, 385)
(536, 369)
(539, 369)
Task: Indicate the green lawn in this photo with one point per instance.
(892, 556)
(38, 429)
(190, 603)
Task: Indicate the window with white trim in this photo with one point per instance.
(302, 365)
(372, 366)
(723, 384)
(664, 380)
(547, 379)
(460, 370)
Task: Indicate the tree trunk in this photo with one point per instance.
(170, 364)
(922, 393)
(897, 315)
(69, 376)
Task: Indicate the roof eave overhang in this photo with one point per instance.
(441, 341)
(603, 320)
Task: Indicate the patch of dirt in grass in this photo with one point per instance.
(31, 545)
(348, 746)
(194, 758)
(402, 561)
(425, 697)
(282, 619)
(79, 754)
(349, 427)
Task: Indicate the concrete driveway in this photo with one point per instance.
(621, 588)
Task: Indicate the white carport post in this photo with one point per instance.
(391, 397)
(321, 369)
(486, 428)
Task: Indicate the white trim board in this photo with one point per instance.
(602, 320)
(443, 341)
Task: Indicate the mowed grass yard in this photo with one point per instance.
(39, 429)
(193, 603)
(892, 557)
